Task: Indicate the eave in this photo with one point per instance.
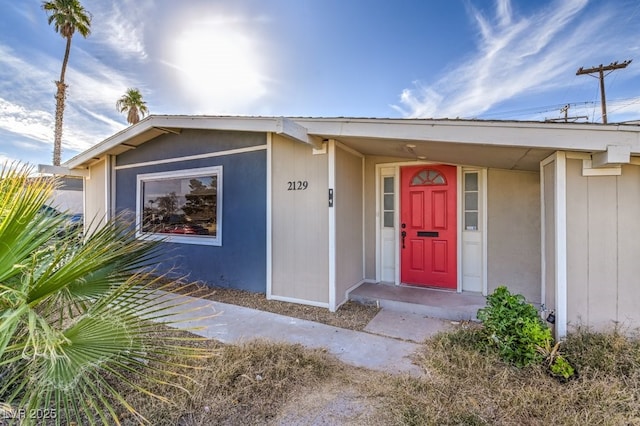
(156, 125)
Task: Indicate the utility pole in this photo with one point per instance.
(565, 109)
(600, 70)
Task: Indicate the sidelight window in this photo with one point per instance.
(388, 201)
(471, 191)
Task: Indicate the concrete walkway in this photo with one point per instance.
(236, 324)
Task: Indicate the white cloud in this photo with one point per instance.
(36, 125)
(27, 102)
(515, 55)
(22, 78)
(120, 25)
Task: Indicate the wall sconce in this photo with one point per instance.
(551, 318)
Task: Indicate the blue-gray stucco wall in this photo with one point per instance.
(241, 260)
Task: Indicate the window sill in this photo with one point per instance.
(182, 239)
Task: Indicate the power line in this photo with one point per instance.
(541, 109)
(600, 70)
(535, 110)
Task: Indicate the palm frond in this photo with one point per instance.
(77, 312)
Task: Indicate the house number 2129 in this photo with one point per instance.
(297, 185)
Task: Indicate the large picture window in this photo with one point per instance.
(183, 206)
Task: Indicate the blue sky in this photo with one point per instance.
(359, 58)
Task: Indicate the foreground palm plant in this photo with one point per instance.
(77, 314)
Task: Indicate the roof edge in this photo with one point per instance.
(160, 123)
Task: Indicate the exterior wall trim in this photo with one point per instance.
(561, 245)
(364, 228)
(269, 214)
(543, 228)
(111, 187)
(300, 301)
(560, 239)
(485, 231)
(459, 190)
(194, 157)
(331, 147)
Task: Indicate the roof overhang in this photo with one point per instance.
(502, 144)
(156, 125)
(512, 145)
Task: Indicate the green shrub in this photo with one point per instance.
(514, 327)
(560, 367)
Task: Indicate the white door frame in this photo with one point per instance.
(459, 214)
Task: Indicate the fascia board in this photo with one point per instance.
(279, 125)
(585, 137)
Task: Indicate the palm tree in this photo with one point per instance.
(68, 16)
(76, 313)
(131, 103)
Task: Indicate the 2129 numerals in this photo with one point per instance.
(297, 185)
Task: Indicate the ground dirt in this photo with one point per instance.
(344, 400)
(351, 315)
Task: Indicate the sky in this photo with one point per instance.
(469, 59)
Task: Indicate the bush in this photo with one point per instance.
(513, 325)
(520, 335)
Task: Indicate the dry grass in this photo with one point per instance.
(468, 387)
(351, 315)
(266, 383)
(244, 384)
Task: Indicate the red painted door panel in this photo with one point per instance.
(428, 226)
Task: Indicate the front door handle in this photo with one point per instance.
(404, 235)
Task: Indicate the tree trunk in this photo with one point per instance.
(61, 94)
(57, 139)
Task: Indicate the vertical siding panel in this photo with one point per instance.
(629, 245)
(299, 223)
(513, 205)
(577, 245)
(603, 248)
(348, 205)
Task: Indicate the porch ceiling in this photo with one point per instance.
(503, 157)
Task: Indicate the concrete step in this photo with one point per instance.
(422, 301)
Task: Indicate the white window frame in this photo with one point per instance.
(173, 174)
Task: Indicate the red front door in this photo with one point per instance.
(428, 226)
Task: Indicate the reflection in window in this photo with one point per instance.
(428, 177)
(181, 204)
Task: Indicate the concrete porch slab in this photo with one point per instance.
(422, 301)
(408, 326)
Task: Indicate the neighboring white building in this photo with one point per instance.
(68, 196)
